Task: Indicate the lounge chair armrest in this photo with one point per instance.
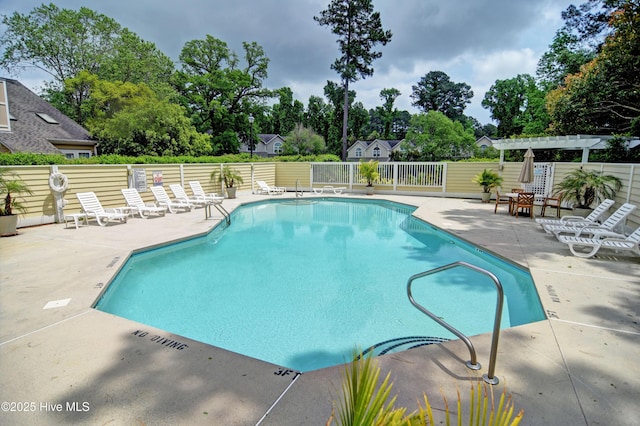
(615, 240)
(601, 234)
(585, 224)
(570, 218)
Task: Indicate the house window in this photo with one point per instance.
(76, 153)
(47, 118)
(277, 148)
(376, 152)
(4, 108)
(358, 152)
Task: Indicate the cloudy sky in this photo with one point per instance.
(474, 41)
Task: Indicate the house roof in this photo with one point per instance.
(267, 138)
(35, 125)
(389, 144)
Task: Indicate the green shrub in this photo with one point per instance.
(30, 159)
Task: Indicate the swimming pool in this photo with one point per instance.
(301, 283)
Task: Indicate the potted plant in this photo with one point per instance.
(370, 173)
(229, 177)
(487, 179)
(584, 187)
(11, 188)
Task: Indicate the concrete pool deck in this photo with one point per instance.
(63, 362)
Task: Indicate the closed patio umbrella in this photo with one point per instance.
(526, 173)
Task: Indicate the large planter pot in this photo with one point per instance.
(231, 192)
(486, 197)
(8, 225)
(369, 190)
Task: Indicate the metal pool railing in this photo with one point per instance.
(472, 363)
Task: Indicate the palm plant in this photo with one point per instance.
(584, 187)
(487, 179)
(228, 176)
(11, 188)
(369, 171)
(365, 402)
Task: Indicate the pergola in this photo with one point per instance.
(572, 142)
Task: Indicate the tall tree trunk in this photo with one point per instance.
(345, 119)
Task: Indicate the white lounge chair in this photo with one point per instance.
(181, 195)
(612, 224)
(271, 190)
(92, 208)
(198, 192)
(163, 200)
(336, 189)
(617, 242)
(591, 219)
(137, 205)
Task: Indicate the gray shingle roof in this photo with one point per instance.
(29, 132)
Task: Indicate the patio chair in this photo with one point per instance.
(181, 195)
(613, 241)
(524, 203)
(591, 219)
(551, 202)
(613, 222)
(137, 205)
(271, 190)
(198, 192)
(501, 199)
(163, 200)
(93, 209)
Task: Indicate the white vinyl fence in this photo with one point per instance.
(419, 175)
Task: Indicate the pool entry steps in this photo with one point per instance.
(473, 364)
(402, 344)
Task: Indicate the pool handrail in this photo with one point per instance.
(489, 377)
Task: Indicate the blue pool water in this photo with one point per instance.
(303, 283)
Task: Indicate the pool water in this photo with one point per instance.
(303, 283)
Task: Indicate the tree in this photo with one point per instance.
(316, 117)
(303, 141)
(218, 93)
(436, 92)
(435, 137)
(359, 29)
(401, 124)
(578, 42)
(335, 95)
(156, 127)
(565, 56)
(130, 119)
(287, 113)
(516, 104)
(63, 42)
(59, 42)
(387, 111)
(604, 97)
(358, 121)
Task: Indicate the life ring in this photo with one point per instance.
(58, 182)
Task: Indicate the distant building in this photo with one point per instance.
(377, 149)
(269, 145)
(28, 123)
(484, 142)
